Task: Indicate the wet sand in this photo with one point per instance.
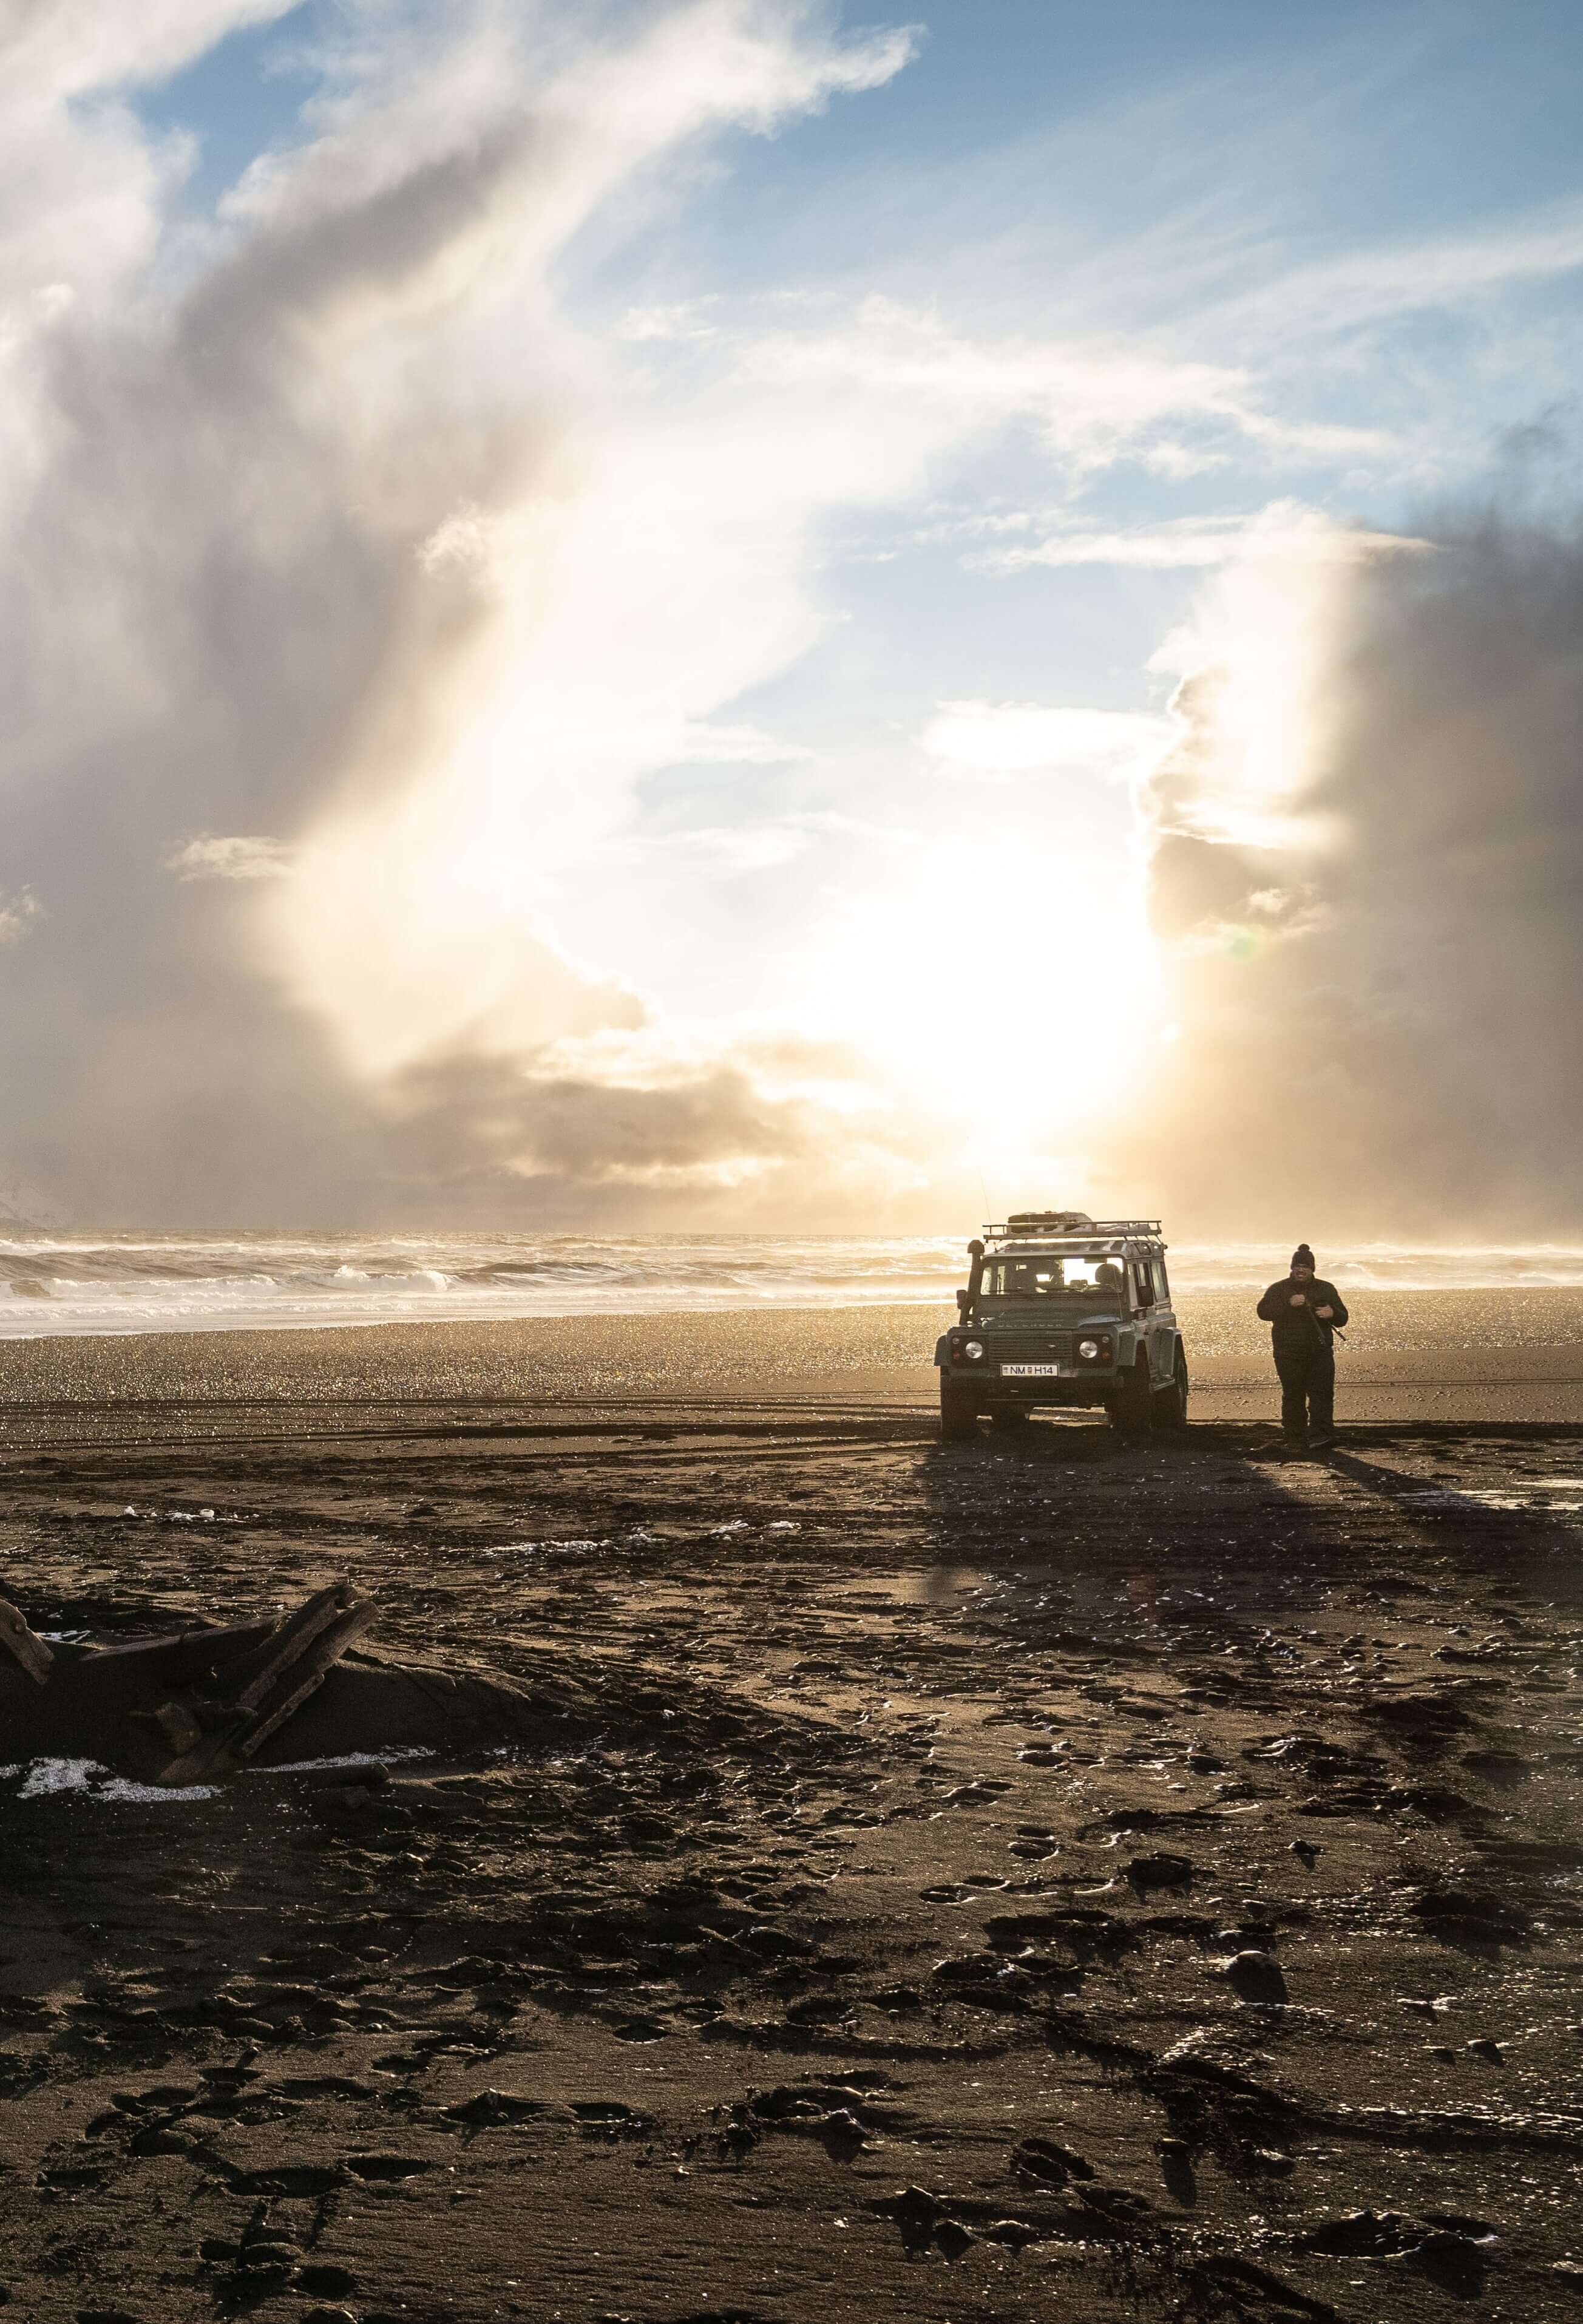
(1035, 1877)
(1445, 1355)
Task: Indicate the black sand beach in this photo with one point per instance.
(1036, 1877)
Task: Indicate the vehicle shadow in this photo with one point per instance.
(1211, 1512)
(1492, 1518)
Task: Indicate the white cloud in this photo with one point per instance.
(1285, 532)
(690, 319)
(52, 49)
(734, 848)
(368, 545)
(1004, 738)
(1161, 547)
(1095, 400)
(1446, 271)
(17, 915)
(209, 858)
(741, 745)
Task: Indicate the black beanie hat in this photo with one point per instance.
(1302, 1256)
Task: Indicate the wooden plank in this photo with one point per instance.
(284, 1689)
(305, 1675)
(259, 1672)
(26, 1649)
(182, 1657)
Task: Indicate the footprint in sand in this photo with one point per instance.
(493, 2110)
(1032, 1845)
(1498, 1767)
(916, 2214)
(1014, 2236)
(1254, 1978)
(1046, 2164)
(335, 2283)
(1146, 1874)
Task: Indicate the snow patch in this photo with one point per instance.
(351, 1759)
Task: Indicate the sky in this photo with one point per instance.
(725, 612)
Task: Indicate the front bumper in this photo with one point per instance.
(1028, 1376)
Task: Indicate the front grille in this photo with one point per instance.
(1028, 1347)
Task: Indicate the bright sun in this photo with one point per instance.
(1007, 987)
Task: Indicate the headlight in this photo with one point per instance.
(1087, 1350)
(973, 1350)
(1099, 1349)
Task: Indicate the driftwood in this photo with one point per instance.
(247, 1701)
(30, 1653)
(192, 1705)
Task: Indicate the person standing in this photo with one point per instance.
(1303, 1311)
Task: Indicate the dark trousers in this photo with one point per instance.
(1308, 1389)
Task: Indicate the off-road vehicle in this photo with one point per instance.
(1059, 1310)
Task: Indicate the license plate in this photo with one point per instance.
(1032, 1371)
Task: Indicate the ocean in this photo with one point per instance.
(58, 1285)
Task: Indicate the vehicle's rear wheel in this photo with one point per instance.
(1131, 1405)
(1009, 1416)
(959, 1415)
(1170, 1403)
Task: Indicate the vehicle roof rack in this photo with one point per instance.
(1068, 1224)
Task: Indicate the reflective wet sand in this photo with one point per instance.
(1446, 1355)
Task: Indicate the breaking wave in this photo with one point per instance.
(248, 1282)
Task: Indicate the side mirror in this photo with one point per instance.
(964, 1300)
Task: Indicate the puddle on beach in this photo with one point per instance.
(927, 1585)
(1083, 1595)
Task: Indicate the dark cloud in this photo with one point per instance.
(1380, 1023)
(217, 622)
(535, 1135)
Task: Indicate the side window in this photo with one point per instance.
(1161, 1280)
(1145, 1289)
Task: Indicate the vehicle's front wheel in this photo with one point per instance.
(959, 1415)
(1170, 1403)
(1131, 1405)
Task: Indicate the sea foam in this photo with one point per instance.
(54, 1284)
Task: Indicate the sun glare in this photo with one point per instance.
(1004, 990)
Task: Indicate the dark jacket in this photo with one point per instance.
(1300, 1327)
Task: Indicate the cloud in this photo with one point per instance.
(1004, 738)
(1366, 851)
(707, 745)
(1094, 400)
(238, 858)
(688, 319)
(637, 1124)
(1405, 276)
(1282, 532)
(17, 915)
(734, 848)
(323, 522)
(331, 518)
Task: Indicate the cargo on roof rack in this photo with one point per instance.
(1068, 1223)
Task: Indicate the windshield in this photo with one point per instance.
(1089, 1274)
